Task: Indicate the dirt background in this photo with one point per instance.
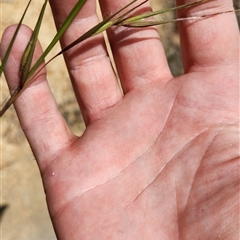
(23, 211)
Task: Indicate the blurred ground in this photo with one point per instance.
(23, 211)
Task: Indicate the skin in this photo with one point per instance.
(160, 161)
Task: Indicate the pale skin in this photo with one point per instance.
(160, 162)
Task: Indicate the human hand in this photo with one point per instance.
(160, 162)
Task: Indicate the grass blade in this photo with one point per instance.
(130, 20)
(100, 27)
(5, 58)
(60, 32)
(29, 51)
(138, 21)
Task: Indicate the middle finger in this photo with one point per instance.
(88, 64)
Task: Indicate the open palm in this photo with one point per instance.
(160, 161)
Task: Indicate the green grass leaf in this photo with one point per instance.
(27, 79)
(100, 27)
(29, 51)
(135, 21)
(58, 35)
(5, 58)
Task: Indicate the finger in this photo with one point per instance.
(89, 66)
(37, 111)
(139, 54)
(205, 42)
